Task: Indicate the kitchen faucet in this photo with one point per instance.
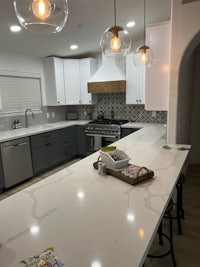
(26, 117)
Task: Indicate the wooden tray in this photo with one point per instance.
(141, 174)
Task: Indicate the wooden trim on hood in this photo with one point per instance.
(107, 87)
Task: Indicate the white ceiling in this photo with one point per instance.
(87, 20)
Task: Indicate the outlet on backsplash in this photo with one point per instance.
(153, 114)
(53, 114)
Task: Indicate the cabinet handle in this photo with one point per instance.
(47, 144)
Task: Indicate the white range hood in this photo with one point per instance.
(110, 77)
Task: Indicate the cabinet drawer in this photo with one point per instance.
(44, 137)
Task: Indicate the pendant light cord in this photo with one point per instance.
(115, 12)
(144, 22)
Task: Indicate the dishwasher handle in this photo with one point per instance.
(15, 145)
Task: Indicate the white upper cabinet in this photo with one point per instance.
(72, 81)
(135, 82)
(158, 75)
(66, 80)
(54, 81)
(88, 66)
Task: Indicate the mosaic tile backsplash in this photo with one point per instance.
(116, 102)
(106, 103)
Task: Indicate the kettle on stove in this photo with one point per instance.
(100, 116)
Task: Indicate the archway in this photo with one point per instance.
(188, 122)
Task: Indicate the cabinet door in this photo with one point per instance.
(46, 150)
(65, 143)
(69, 143)
(157, 77)
(54, 149)
(127, 131)
(54, 81)
(88, 67)
(72, 81)
(81, 141)
(73, 141)
(135, 82)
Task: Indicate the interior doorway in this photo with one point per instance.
(188, 113)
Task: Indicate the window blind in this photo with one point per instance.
(18, 93)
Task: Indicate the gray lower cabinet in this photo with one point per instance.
(73, 141)
(81, 141)
(127, 131)
(52, 148)
(46, 150)
(69, 142)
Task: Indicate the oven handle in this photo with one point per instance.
(103, 135)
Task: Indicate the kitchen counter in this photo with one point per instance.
(89, 219)
(22, 132)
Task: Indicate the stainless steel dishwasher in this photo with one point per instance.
(16, 159)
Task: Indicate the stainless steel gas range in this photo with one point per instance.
(102, 132)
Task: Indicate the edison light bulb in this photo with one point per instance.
(144, 56)
(41, 8)
(115, 43)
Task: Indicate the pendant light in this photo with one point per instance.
(42, 16)
(143, 56)
(115, 40)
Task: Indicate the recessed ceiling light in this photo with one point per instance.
(130, 24)
(73, 47)
(15, 28)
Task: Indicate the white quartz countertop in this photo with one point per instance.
(22, 132)
(89, 219)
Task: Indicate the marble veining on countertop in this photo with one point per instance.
(93, 220)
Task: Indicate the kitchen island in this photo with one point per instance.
(89, 219)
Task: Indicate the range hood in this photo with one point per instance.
(109, 77)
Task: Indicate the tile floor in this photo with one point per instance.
(186, 246)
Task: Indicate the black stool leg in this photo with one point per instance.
(160, 236)
(181, 202)
(169, 237)
(179, 208)
(171, 240)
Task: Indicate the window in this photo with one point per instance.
(17, 93)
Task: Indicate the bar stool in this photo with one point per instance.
(162, 235)
(179, 203)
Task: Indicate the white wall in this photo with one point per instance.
(22, 65)
(185, 25)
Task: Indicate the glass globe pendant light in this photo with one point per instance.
(143, 56)
(115, 40)
(42, 16)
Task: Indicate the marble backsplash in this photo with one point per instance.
(106, 103)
